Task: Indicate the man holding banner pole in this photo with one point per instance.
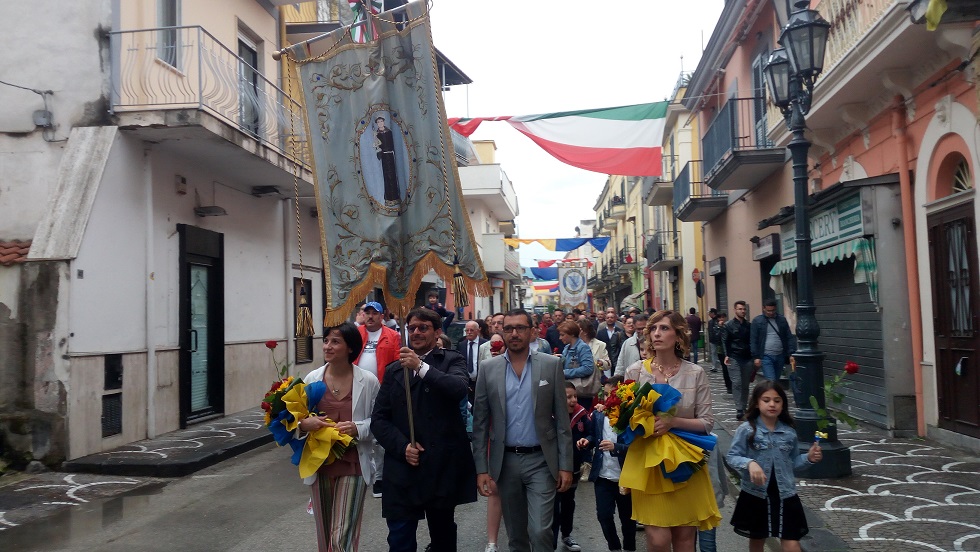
(429, 476)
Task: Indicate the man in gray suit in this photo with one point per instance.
(521, 394)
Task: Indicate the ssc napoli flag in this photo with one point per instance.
(616, 140)
(388, 192)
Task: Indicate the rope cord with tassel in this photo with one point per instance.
(304, 317)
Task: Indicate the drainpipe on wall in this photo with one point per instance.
(911, 256)
(287, 211)
(150, 295)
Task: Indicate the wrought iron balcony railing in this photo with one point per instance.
(740, 125)
(172, 68)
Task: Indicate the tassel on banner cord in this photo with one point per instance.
(461, 297)
(304, 318)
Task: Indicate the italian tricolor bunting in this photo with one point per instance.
(616, 140)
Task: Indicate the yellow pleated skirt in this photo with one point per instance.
(691, 504)
(660, 502)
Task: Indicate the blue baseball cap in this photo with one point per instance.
(374, 305)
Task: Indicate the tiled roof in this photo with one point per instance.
(12, 252)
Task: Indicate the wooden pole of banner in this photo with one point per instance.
(408, 384)
(277, 55)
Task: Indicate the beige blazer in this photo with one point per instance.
(692, 382)
(550, 414)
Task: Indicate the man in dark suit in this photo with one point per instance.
(521, 394)
(430, 477)
(552, 334)
(613, 336)
(470, 349)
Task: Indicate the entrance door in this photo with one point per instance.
(201, 324)
(249, 112)
(721, 294)
(953, 261)
(759, 102)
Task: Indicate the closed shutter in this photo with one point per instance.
(721, 294)
(850, 329)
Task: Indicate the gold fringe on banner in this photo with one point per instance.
(377, 277)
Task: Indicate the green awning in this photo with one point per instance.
(865, 262)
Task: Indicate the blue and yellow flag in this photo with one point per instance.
(388, 192)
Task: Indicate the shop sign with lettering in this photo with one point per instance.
(833, 224)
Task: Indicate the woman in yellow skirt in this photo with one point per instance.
(672, 513)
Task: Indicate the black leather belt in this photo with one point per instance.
(523, 450)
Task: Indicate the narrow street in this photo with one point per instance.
(254, 502)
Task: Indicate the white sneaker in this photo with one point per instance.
(491, 547)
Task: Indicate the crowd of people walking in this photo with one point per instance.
(519, 411)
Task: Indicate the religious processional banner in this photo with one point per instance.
(388, 192)
(572, 279)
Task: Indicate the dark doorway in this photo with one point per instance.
(953, 262)
(202, 335)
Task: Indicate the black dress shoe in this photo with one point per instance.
(739, 415)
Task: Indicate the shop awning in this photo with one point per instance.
(633, 300)
(865, 262)
(819, 258)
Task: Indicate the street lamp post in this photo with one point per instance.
(791, 73)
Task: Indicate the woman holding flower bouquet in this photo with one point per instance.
(671, 506)
(339, 487)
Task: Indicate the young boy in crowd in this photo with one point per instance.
(565, 502)
(607, 460)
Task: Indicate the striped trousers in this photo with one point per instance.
(337, 506)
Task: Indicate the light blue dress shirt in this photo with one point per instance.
(520, 430)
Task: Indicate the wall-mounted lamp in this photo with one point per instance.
(263, 191)
(631, 219)
(208, 210)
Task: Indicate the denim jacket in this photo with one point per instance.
(577, 359)
(776, 449)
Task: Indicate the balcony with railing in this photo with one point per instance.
(662, 187)
(869, 43)
(499, 259)
(693, 199)
(181, 83)
(738, 154)
(664, 250)
(617, 208)
(608, 222)
(627, 260)
(490, 184)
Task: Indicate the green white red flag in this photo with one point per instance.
(622, 140)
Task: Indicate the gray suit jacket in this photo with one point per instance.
(550, 414)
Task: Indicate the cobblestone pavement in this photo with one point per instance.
(905, 494)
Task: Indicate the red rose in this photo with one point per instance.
(851, 367)
(266, 406)
(271, 344)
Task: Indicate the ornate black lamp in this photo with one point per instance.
(791, 73)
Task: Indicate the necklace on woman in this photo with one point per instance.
(664, 373)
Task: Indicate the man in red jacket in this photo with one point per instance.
(381, 345)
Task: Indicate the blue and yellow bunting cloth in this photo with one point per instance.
(320, 447)
(664, 463)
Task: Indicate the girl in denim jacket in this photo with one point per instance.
(766, 455)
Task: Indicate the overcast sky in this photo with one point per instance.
(533, 56)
